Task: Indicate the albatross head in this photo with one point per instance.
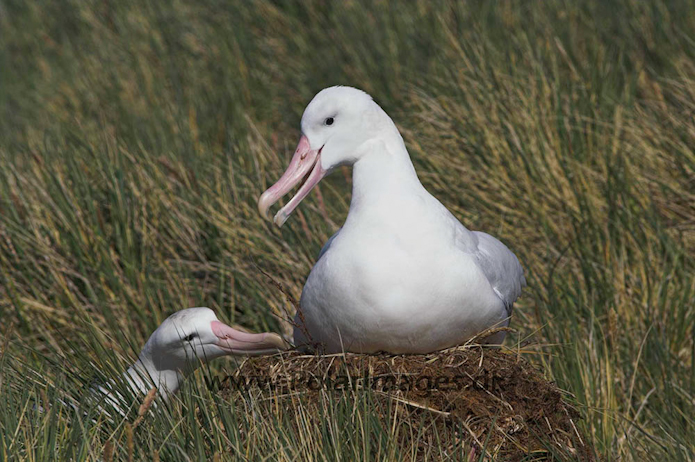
(335, 124)
(193, 336)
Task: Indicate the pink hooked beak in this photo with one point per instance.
(306, 163)
(243, 343)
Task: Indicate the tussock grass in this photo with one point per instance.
(135, 139)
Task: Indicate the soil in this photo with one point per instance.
(493, 401)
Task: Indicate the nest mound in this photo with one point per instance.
(495, 401)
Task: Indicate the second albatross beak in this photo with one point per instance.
(305, 165)
(234, 341)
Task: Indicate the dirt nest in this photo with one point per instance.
(493, 400)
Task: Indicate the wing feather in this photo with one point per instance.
(501, 267)
(327, 245)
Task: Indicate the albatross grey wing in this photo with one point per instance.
(501, 267)
(327, 245)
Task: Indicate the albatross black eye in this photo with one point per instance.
(189, 338)
(328, 121)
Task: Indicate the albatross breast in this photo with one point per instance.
(405, 282)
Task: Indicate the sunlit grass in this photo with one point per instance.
(135, 139)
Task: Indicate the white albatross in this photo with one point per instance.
(186, 340)
(180, 345)
(402, 275)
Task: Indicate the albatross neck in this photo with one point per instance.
(384, 171)
(142, 375)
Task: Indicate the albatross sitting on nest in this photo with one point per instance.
(402, 275)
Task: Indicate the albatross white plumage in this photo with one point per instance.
(186, 340)
(402, 275)
(180, 345)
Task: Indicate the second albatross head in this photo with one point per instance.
(189, 338)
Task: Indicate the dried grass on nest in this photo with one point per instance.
(493, 399)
